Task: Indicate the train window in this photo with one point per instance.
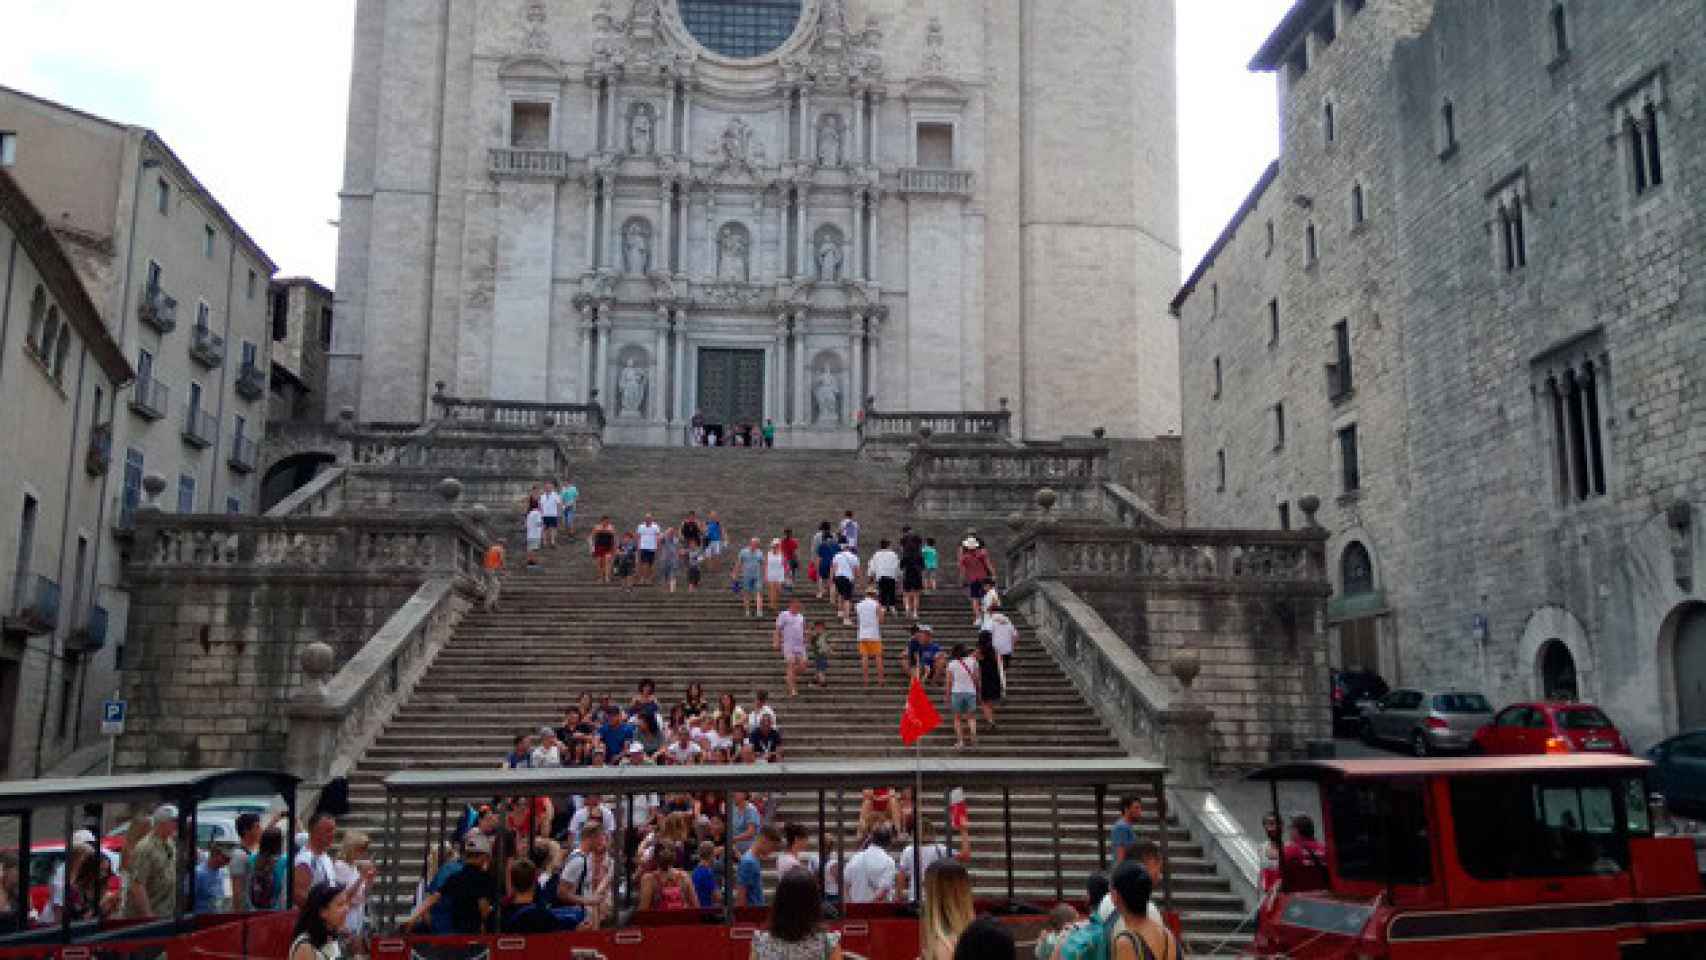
(1534, 827)
(1635, 803)
(1380, 833)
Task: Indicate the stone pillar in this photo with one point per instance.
(667, 135)
(681, 366)
(877, 126)
(685, 146)
(802, 372)
(876, 261)
(601, 365)
(592, 222)
(806, 147)
(855, 371)
(584, 386)
(855, 257)
(873, 356)
(612, 136)
(612, 253)
(856, 143)
(659, 395)
(802, 252)
(662, 242)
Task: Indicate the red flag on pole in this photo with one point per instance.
(919, 717)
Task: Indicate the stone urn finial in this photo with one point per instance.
(1046, 498)
(1309, 503)
(1100, 433)
(438, 388)
(153, 485)
(318, 659)
(1003, 402)
(450, 489)
(1186, 666)
(479, 515)
(548, 421)
(1017, 520)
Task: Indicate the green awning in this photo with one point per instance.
(1357, 606)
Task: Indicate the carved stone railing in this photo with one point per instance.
(555, 418)
(169, 546)
(947, 425)
(333, 721)
(322, 496)
(928, 180)
(1255, 560)
(961, 480)
(1151, 715)
(1127, 509)
(508, 162)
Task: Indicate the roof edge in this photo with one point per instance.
(153, 139)
(1244, 210)
(1296, 22)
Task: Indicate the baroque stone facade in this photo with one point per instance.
(883, 204)
(1524, 345)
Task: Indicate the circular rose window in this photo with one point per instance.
(740, 29)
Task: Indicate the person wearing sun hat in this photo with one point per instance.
(977, 573)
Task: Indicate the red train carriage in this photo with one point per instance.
(1485, 857)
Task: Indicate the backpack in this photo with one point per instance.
(263, 885)
(1094, 941)
(568, 917)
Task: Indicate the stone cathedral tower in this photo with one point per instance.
(763, 208)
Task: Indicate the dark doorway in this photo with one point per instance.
(291, 474)
(1557, 672)
(731, 387)
(1690, 667)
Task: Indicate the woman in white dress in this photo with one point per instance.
(796, 923)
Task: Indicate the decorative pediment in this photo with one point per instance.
(936, 92)
(530, 68)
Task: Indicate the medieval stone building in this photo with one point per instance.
(1458, 311)
(778, 209)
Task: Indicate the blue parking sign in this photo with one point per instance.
(112, 717)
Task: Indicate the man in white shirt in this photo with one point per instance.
(869, 877)
(550, 509)
(1002, 634)
(870, 616)
(885, 570)
(683, 750)
(648, 532)
(927, 854)
(592, 810)
(844, 571)
(314, 861)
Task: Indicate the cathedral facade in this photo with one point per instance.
(762, 209)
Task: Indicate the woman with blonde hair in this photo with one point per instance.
(947, 909)
(353, 870)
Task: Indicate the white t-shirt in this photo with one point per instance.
(869, 877)
(535, 524)
(758, 714)
(580, 818)
(1002, 633)
(928, 854)
(845, 564)
(962, 675)
(870, 625)
(832, 877)
(775, 567)
(786, 861)
(549, 504)
(649, 533)
(679, 754)
(885, 563)
(547, 756)
(320, 866)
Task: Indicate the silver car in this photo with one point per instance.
(1427, 722)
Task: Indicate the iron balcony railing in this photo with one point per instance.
(35, 602)
(251, 382)
(149, 398)
(92, 635)
(158, 310)
(242, 457)
(200, 428)
(206, 346)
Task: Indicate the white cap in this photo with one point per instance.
(83, 836)
(164, 812)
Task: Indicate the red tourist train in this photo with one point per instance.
(1482, 858)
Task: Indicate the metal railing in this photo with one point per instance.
(513, 162)
(206, 346)
(150, 397)
(946, 182)
(35, 602)
(200, 428)
(158, 310)
(243, 454)
(251, 382)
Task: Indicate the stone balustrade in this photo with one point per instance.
(951, 479)
(511, 163)
(1238, 559)
(944, 182)
(878, 423)
(559, 418)
(169, 546)
(334, 719)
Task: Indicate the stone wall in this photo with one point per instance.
(1154, 469)
(221, 609)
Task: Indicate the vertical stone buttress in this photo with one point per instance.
(1099, 216)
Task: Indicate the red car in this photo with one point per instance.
(1548, 727)
(46, 858)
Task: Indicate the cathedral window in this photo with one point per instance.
(742, 29)
(1572, 389)
(1213, 300)
(1311, 252)
(1217, 378)
(1513, 237)
(936, 145)
(1642, 134)
(1273, 322)
(1220, 470)
(1339, 378)
(1270, 248)
(1279, 426)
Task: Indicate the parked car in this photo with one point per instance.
(1550, 727)
(1426, 722)
(1679, 772)
(1350, 689)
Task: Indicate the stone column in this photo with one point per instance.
(612, 253)
(611, 135)
(871, 268)
(873, 356)
(658, 395)
(875, 131)
(685, 146)
(856, 256)
(601, 364)
(855, 151)
(591, 222)
(855, 371)
(802, 372)
(681, 366)
(770, 367)
(661, 240)
(803, 263)
(667, 135)
(584, 385)
(806, 146)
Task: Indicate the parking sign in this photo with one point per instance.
(112, 717)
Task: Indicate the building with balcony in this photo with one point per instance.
(61, 374)
(302, 325)
(782, 210)
(182, 289)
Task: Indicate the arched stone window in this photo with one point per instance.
(61, 352)
(1557, 667)
(38, 314)
(1356, 570)
(49, 333)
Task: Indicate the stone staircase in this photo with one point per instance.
(558, 633)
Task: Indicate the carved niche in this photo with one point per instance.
(642, 129)
(734, 253)
(831, 140)
(829, 253)
(637, 247)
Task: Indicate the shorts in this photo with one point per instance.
(550, 523)
(648, 557)
(963, 703)
(693, 576)
(713, 548)
(820, 663)
(568, 516)
(603, 550)
(870, 648)
(974, 589)
(886, 591)
(912, 580)
(793, 652)
(844, 588)
(749, 584)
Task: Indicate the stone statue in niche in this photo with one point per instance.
(631, 390)
(826, 390)
(835, 15)
(732, 251)
(637, 248)
(829, 140)
(640, 126)
(828, 258)
(737, 147)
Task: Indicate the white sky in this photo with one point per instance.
(255, 104)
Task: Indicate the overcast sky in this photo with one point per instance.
(255, 104)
